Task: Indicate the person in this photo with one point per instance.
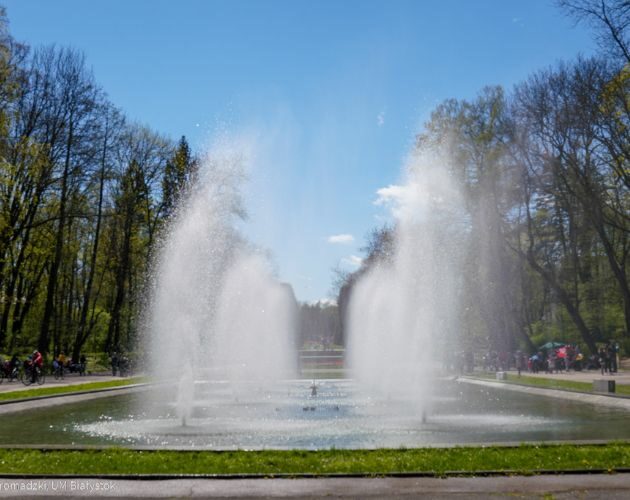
(82, 364)
(14, 367)
(123, 365)
(603, 360)
(577, 365)
(561, 360)
(114, 363)
(37, 359)
(15, 362)
(37, 362)
(611, 353)
(56, 370)
(518, 359)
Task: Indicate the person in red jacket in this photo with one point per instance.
(38, 359)
(37, 362)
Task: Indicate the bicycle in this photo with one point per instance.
(58, 371)
(9, 372)
(39, 377)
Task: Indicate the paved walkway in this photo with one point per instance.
(583, 486)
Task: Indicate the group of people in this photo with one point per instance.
(34, 363)
(61, 363)
(553, 359)
(121, 364)
(556, 360)
(607, 358)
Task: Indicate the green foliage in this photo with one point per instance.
(179, 175)
(80, 203)
(544, 174)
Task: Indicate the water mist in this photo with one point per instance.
(403, 307)
(216, 313)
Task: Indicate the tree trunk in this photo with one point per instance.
(83, 331)
(565, 300)
(44, 333)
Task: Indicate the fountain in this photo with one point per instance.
(402, 304)
(221, 335)
(216, 314)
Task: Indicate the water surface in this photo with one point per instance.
(340, 416)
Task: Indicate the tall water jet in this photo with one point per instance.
(216, 313)
(260, 309)
(405, 302)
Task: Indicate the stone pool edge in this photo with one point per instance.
(582, 397)
(25, 404)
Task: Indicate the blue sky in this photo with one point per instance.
(331, 93)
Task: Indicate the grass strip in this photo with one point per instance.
(38, 391)
(524, 459)
(550, 383)
(323, 373)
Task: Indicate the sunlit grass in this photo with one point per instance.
(554, 383)
(524, 459)
(37, 391)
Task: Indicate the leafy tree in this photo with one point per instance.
(179, 175)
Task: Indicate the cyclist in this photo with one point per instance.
(14, 366)
(37, 362)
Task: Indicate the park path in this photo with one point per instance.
(583, 486)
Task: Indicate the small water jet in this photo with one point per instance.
(185, 393)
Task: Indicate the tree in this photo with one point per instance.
(571, 202)
(75, 94)
(179, 174)
(609, 18)
(141, 161)
(111, 124)
(476, 136)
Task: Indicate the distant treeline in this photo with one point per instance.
(319, 325)
(83, 196)
(545, 172)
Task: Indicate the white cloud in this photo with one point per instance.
(326, 301)
(341, 239)
(380, 119)
(410, 200)
(401, 200)
(392, 194)
(352, 261)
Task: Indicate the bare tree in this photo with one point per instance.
(611, 20)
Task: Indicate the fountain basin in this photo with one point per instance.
(340, 416)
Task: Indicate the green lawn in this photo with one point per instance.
(524, 459)
(323, 373)
(36, 391)
(551, 383)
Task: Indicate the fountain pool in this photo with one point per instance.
(286, 416)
